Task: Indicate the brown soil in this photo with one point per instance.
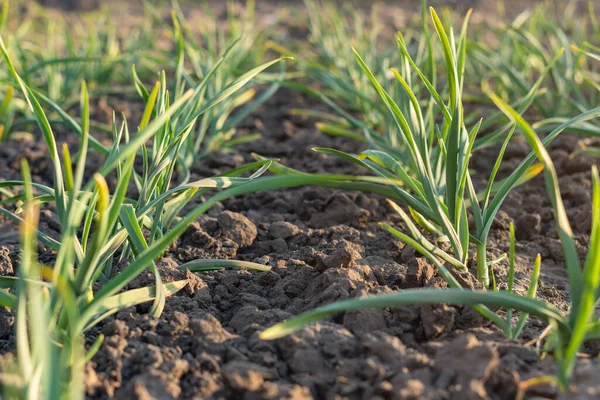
(323, 245)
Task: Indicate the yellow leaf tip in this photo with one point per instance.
(270, 333)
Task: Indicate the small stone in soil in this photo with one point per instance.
(437, 319)
(283, 230)
(237, 227)
(341, 258)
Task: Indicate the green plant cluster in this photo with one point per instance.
(418, 103)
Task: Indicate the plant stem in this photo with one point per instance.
(483, 274)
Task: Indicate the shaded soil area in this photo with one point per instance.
(323, 245)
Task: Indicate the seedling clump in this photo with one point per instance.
(373, 170)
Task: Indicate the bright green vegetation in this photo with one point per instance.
(418, 103)
(421, 136)
(569, 331)
(437, 186)
(349, 91)
(56, 305)
(332, 65)
(523, 50)
(54, 53)
(431, 175)
(226, 53)
(527, 62)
